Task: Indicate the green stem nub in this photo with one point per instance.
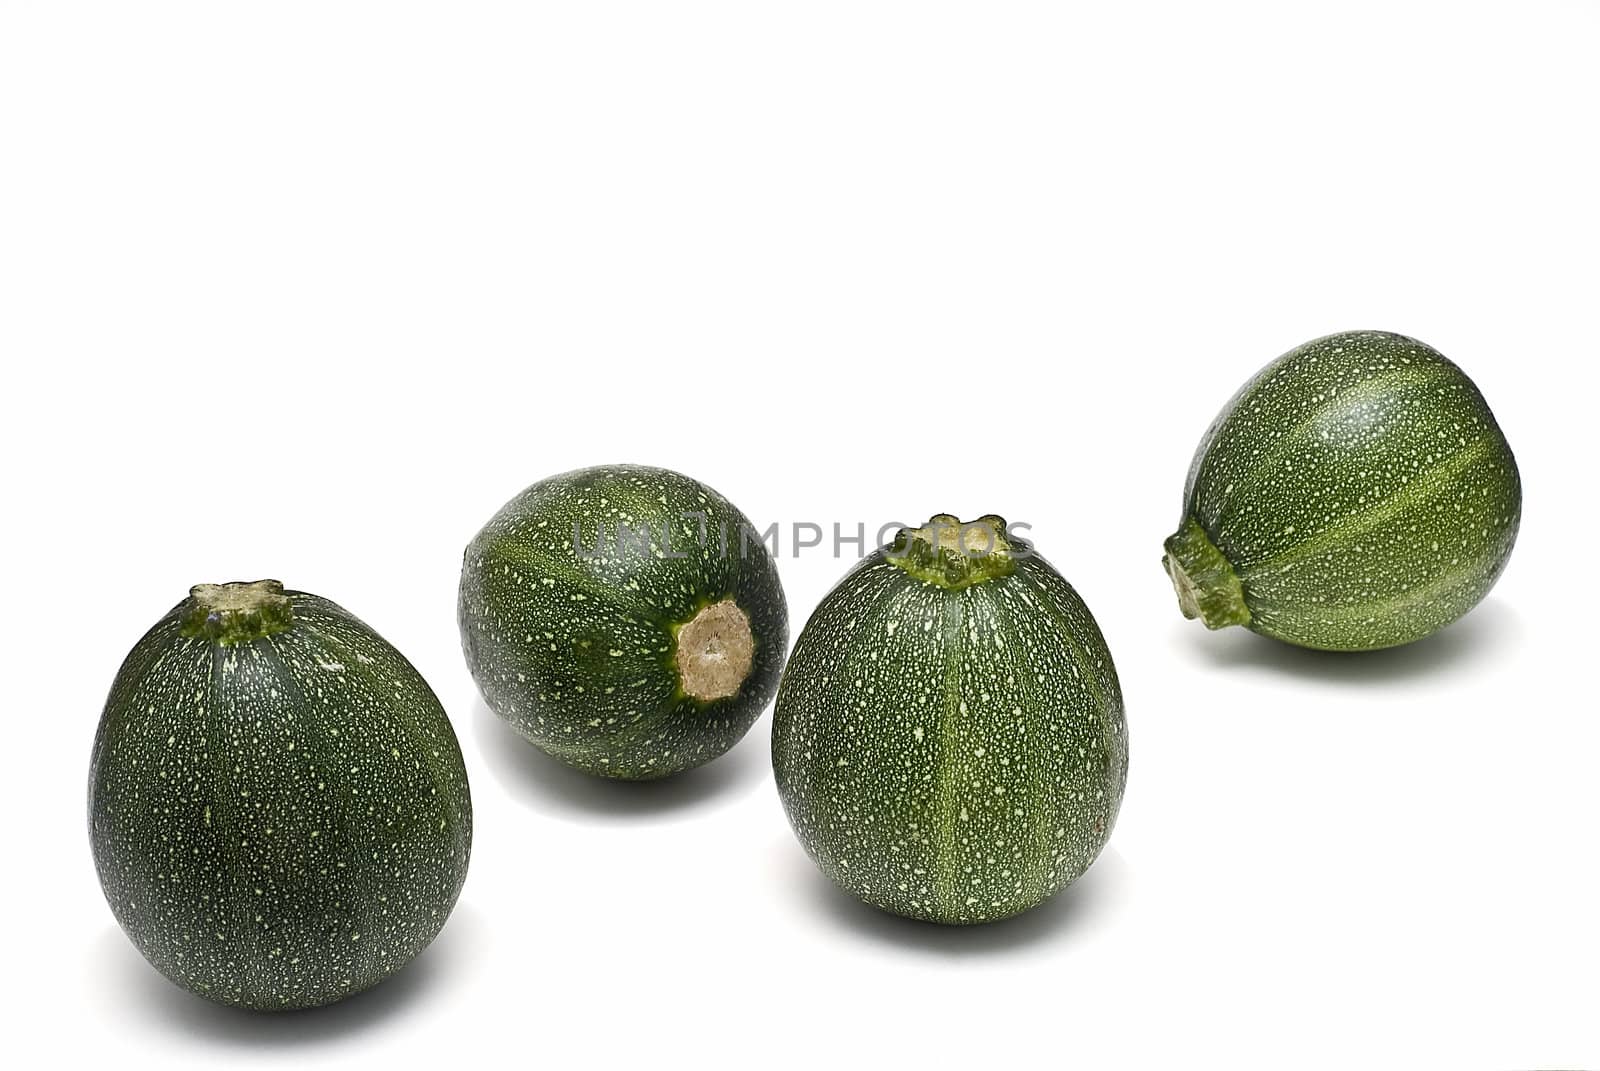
(955, 554)
(1206, 584)
(237, 612)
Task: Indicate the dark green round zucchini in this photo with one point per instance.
(277, 803)
(949, 740)
(1356, 494)
(626, 620)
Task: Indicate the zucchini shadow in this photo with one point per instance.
(135, 988)
(1484, 637)
(1068, 912)
(552, 787)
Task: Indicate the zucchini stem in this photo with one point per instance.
(714, 651)
(237, 612)
(1204, 579)
(954, 554)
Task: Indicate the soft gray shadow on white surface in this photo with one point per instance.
(1068, 911)
(548, 786)
(140, 990)
(1485, 636)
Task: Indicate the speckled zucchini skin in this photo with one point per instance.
(575, 648)
(1361, 490)
(277, 823)
(956, 756)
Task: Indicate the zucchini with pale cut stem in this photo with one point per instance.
(626, 620)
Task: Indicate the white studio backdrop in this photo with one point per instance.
(307, 290)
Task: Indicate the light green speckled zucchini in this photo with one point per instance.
(1356, 494)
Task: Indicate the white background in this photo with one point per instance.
(307, 290)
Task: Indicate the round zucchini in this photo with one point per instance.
(277, 804)
(626, 620)
(949, 739)
(1356, 494)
